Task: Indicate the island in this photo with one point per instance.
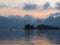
(41, 26)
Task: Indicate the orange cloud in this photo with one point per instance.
(37, 14)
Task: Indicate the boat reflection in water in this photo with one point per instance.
(29, 37)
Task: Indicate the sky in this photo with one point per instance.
(35, 8)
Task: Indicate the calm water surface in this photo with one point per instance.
(29, 37)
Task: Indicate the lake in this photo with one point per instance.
(29, 37)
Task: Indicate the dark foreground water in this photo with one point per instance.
(29, 37)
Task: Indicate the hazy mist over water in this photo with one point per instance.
(29, 37)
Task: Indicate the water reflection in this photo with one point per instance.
(29, 37)
(38, 37)
(29, 33)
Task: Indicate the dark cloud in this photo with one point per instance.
(34, 6)
(30, 7)
(58, 5)
(46, 5)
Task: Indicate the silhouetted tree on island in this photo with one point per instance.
(28, 26)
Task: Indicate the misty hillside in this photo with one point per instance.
(17, 22)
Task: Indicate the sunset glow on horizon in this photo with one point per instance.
(37, 14)
(35, 8)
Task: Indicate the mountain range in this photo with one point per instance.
(17, 22)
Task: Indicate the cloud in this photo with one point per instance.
(55, 15)
(30, 7)
(46, 5)
(2, 5)
(19, 22)
(36, 7)
(58, 5)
